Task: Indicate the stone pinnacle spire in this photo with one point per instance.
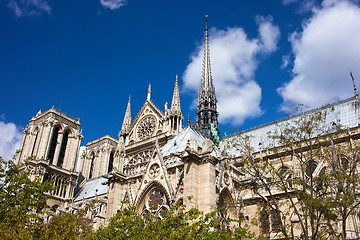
(127, 117)
(207, 115)
(175, 103)
(149, 93)
(173, 115)
(207, 85)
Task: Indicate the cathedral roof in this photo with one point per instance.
(343, 113)
(92, 188)
(179, 142)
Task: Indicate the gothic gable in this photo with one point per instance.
(148, 122)
(155, 178)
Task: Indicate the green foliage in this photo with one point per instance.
(21, 200)
(176, 223)
(66, 226)
(23, 204)
(318, 200)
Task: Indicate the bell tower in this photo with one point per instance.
(207, 114)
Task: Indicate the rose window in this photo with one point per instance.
(155, 203)
(146, 127)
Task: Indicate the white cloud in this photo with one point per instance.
(10, 139)
(23, 8)
(325, 51)
(304, 6)
(287, 2)
(285, 61)
(113, 4)
(234, 59)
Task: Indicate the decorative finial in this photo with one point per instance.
(206, 17)
(354, 86)
(127, 117)
(149, 92)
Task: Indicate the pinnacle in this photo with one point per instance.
(127, 117)
(175, 103)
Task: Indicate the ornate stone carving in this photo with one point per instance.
(136, 163)
(154, 170)
(226, 179)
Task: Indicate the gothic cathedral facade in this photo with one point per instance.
(154, 162)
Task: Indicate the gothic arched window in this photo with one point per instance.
(111, 162)
(310, 168)
(270, 221)
(63, 148)
(155, 202)
(91, 165)
(35, 142)
(227, 208)
(53, 143)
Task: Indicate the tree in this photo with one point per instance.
(176, 223)
(23, 204)
(21, 201)
(307, 175)
(343, 180)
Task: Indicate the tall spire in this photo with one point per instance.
(175, 103)
(127, 118)
(206, 78)
(207, 115)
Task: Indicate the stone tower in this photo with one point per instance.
(51, 141)
(207, 115)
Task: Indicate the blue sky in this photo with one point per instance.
(86, 57)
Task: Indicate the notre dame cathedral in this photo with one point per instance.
(155, 161)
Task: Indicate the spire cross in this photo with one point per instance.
(354, 86)
(206, 17)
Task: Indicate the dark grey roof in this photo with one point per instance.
(92, 188)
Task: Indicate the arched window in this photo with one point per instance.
(35, 142)
(265, 222)
(53, 143)
(91, 165)
(227, 208)
(270, 221)
(63, 148)
(155, 202)
(111, 162)
(310, 168)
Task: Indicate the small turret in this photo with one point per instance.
(174, 116)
